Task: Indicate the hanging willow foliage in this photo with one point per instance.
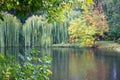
(9, 31)
(37, 32)
(60, 30)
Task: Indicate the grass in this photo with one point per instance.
(108, 45)
(66, 45)
(104, 45)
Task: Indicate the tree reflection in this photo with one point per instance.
(84, 66)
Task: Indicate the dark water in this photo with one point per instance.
(80, 64)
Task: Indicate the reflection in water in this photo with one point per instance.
(83, 64)
(114, 71)
(77, 64)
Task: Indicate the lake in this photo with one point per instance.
(78, 64)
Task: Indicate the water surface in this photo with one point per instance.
(84, 64)
(77, 64)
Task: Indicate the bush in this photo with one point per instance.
(31, 68)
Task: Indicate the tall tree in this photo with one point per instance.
(91, 22)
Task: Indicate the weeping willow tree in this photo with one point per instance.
(37, 32)
(60, 30)
(9, 31)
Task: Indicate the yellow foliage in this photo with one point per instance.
(90, 23)
(84, 7)
(78, 29)
(67, 6)
(87, 40)
(90, 1)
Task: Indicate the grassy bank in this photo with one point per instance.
(108, 45)
(102, 45)
(65, 45)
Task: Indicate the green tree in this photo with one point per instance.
(112, 10)
(54, 9)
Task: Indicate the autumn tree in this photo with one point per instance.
(91, 22)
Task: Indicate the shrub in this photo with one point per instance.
(31, 67)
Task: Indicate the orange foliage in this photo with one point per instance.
(92, 22)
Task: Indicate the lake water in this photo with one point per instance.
(79, 64)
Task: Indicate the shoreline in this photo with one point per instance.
(101, 45)
(108, 46)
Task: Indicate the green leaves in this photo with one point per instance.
(34, 51)
(47, 7)
(29, 69)
(1, 17)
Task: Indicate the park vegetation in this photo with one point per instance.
(31, 67)
(90, 25)
(42, 23)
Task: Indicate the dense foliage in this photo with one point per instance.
(36, 31)
(53, 9)
(92, 22)
(112, 11)
(9, 30)
(31, 67)
(96, 16)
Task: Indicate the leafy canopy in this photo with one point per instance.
(91, 22)
(52, 8)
